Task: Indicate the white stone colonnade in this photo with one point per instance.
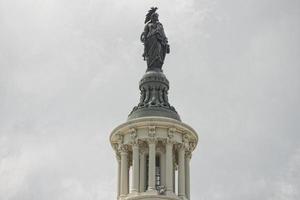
(151, 150)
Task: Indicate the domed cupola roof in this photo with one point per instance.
(154, 101)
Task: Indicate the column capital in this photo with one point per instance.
(135, 142)
(143, 147)
(123, 148)
(135, 145)
(188, 154)
(186, 141)
(180, 146)
(192, 145)
(152, 140)
(169, 141)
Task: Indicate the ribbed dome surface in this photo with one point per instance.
(154, 101)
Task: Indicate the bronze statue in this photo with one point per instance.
(155, 41)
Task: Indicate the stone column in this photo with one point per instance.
(163, 168)
(135, 168)
(142, 170)
(128, 172)
(151, 170)
(187, 173)
(175, 168)
(169, 167)
(119, 173)
(181, 172)
(174, 178)
(124, 171)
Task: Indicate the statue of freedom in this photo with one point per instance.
(155, 41)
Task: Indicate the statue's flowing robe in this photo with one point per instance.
(155, 45)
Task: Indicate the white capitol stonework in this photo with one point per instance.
(154, 148)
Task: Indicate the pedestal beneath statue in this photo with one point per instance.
(154, 101)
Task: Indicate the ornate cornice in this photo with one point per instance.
(154, 121)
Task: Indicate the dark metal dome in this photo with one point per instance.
(154, 101)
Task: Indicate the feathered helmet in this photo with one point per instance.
(150, 13)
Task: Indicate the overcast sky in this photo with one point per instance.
(69, 73)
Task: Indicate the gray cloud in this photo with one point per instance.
(69, 74)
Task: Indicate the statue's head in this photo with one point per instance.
(151, 15)
(154, 17)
